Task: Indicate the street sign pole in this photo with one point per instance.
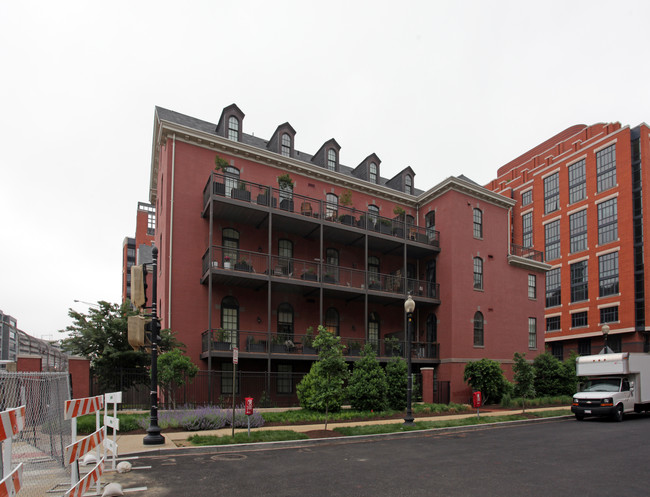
(235, 360)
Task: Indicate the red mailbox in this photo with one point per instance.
(476, 399)
(249, 406)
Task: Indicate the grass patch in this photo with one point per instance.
(243, 438)
(128, 422)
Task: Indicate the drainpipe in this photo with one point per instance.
(171, 237)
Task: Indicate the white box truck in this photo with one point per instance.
(613, 384)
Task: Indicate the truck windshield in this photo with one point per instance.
(602, 385)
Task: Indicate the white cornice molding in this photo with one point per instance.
(459, 185)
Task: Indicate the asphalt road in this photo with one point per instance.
(560, 457)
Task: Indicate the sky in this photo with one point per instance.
(445, 87)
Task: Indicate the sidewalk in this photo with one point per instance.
(129, 444)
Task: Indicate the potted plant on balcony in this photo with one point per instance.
(220, 166)
(253, 345)
(241, 193)
(374, 285)
(308, 342)
(243, 265)
(345, 200)
(398, 229)
(328, 277)
(309, 274)
(392, 346)
(354, 348)
(386, 226)
(263, 197)
(222, 340)
(226, 262)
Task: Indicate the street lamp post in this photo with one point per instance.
(153, 436)
(605, 330)
(409, 307)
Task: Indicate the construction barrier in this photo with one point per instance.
(12, 422)
(113, 423)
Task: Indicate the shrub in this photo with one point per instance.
(205, 418)
(397, 383)
(486, 375)
(367, 387)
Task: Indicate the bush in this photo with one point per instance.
(486, 375)
(206, 418)
(367, 387)
(397, 383)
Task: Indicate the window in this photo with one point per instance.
(331, 206)
(373, 215)
(527, 198)
(552, 231)
(478, 330)
(332, 321)
(478, 223)
(532, 333)
(430, 223)
(331, 159)
(373, 330)
(579, 281)
(584, 346)
(373, 173)
(331, 266)
(229, 321)
(553, 323)
(577, 182)
(230, 241)
(607, 221)
(578, 229)
(284, 381)
(553, 287)
(285, 257)
(478, 273)
(527, 229)
(551, 193)
(606, 168)
(609, 314)
(373, 273)
(285, 322)
(557, 350)
(233, 128)
(532, 286)
(608, 274)
(579, 319)
(408, 184)
(231, 178)
(226, 378)
(285, 148)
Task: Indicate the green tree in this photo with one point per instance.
(524, 376)
(367, 388)
(322, 388)
(174, 369)
(486, 375)
(397, 381)
(101, 336)
(548, 375)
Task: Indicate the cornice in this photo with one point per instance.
(459, 185)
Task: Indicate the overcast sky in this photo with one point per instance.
(445, 87)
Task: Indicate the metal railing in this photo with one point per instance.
(526, 252)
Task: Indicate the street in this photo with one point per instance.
(557, 457)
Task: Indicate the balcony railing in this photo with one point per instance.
(257, 342)
(245, 261)
(263, 195)
(526, 252)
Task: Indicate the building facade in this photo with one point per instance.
(8, 338)
(259, 243)
(581, 198)
(137, 250)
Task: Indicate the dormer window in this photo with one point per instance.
(373, 173)
(408, 184)
(286, 145)
(233, 128)
(331, 159)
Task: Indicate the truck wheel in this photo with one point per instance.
(618, 415)
(580, 417)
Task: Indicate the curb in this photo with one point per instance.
(247, 447)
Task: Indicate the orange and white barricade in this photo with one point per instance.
(79, 448)
(112, 422)
(12, 422)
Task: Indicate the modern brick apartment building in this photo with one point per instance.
(582, 198)
(274, 241)
(138, 250)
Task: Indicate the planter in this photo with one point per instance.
(399, 232)
(244, 195)
(355, 351)
(278, 348)
(309, 276)
(329, 279)
(347, 219)
(309, 350)
(256, 347)
(361, 223)
(286, 205)
(263, 199)
(243, 266)
(374, 286)
(221, 345)
(386, 228)
(220, 189)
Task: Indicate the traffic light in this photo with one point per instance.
(139, 286)
(136, 331)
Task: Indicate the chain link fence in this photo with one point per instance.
(40, 446)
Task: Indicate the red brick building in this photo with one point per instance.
(138, 250)
(580, 199)
(276, 241)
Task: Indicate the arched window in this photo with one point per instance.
(232, 179)
(373, 330)
(332, 321)
(331, 266)
(374, 282)
(430, 223)
(230, 242)
(478, 330)
(285, 257)
(331, 207)
(373, 173)
(478, 223)
(373, 217)
(408, 184)
(233, 128)
(285, 149)
(285, 322)
(331, 159)
(478, 273)
(229, 321)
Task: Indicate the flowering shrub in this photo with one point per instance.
(204, 418)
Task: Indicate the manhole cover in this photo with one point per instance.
(228, 457)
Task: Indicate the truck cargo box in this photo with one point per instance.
(602, 364)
